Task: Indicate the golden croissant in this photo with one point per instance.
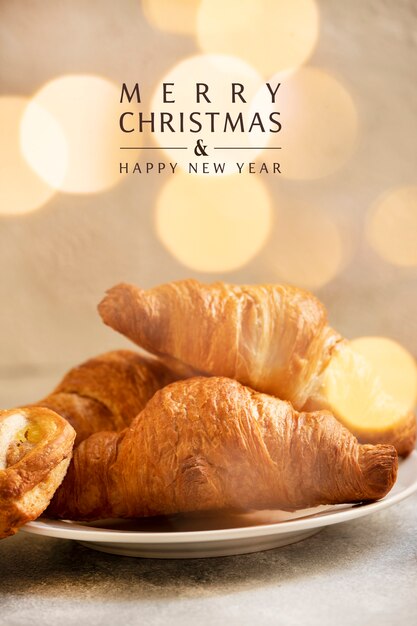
(213, 444)
(35, 450)
(107, 392)
(273, 338)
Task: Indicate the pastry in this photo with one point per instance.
(35, 450)
(107, 392)
(213, 444)
(273, 338)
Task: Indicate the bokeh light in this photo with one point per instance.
(21, 190)
(218, 72)
(213, 224)
(319, 124)
(363, 387)
(307, 247)
(392, 226)
(44, 144)
(272, 35)
(87, 110)
(177, 16)
(394, 366)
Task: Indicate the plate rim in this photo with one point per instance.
(59, 529)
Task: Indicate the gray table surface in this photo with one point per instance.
(359, 572)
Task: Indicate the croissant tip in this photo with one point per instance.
(111, 295)
(379, 465)
(116, 289)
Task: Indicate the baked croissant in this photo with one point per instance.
(107, 392)
(35, 450)
(273, 338)
(212, 444)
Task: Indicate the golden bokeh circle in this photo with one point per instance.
(319, 124)
(213, 224)
(392, 227)
(177, 17)
(393, 364)
(271, 35)
(21, 190)
(218, 72)
(371, 383)
(87, 109)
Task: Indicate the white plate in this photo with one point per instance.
(203, 535)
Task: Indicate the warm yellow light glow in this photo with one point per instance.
(177, 16)
(307, 246)
(213, 224)
(44, 145)
(392, 227)
(21, 190)
(319, 124)
(87, 110)
(363, 386)
(218, 72)
(394, 366)
(272, 35)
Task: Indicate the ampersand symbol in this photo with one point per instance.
(200, 149)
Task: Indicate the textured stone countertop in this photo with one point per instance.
(359, 572)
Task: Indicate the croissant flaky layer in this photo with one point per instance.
(107, 391)
(213, 444)
(274, 338)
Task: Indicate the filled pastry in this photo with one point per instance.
(35, 450)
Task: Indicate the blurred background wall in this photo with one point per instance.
(342, 221)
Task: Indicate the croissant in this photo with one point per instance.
(35, 450)
(273, 338)
(213, 444)
(107, 392)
